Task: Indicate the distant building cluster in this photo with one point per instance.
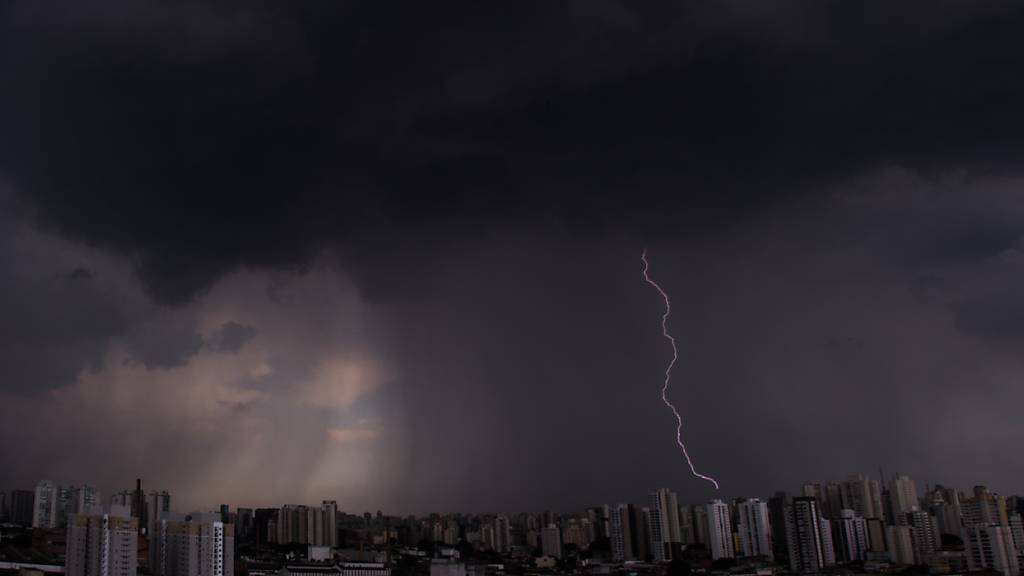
(857, 525)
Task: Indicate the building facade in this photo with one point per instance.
(809, 538)
(198, 547)
(720, 530)
(754, 529)
(102, 545)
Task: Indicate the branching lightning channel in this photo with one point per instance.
(668, 371)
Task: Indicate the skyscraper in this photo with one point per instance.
(810, 540)
(863, 495)
(719, 530)
(158, 507)
(924, 533)
(900, 545)
(102, 545)
(44, 514)
(84, 499)
(985, 507)
(139, 504)
(659, 548)
(22, 507)
(202, 545)
(664, 505)
(833, 503)
(487, 537)
(991, 546)
(777, 505)
(754, 529)
(903, 493)
(502, 534)
(621, 533)
(327, 526)
(851, 536)
(244, 525)
(638, 534)
(551, 541)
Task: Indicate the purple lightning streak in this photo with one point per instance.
(668, 371)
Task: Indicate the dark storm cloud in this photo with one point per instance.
(231, 337)
(196, 139)
(827, 189)
(164, 342)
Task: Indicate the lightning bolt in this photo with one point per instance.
(668, 371)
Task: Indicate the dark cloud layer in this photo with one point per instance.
(295, 251)
(196, 138)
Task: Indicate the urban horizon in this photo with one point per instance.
(563, 288)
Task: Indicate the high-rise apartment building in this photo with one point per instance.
(639, 532)
(659, 547)
(809, 537)
(777, 505)
(551, 541)
(158, 507)
(985, 507)
(876, 536)
(84, 499)
(199, 546)
(22, 507)
(924, 533)
(621, 533)
(754, 529)
(863, 495)
(990, 546)
(900, 545)
(102, 545)
(903, 494)
(719, 530)
(502, 534)
(851, 536)
(245, 526)
(664, 505)
(47, 503)
(700, 524)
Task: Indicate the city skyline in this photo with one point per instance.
(864, 493)
(853, 525)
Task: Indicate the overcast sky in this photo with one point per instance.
(258, 253)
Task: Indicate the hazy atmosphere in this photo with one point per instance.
(259, 253)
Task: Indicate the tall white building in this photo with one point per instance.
(808, 536)
(551, 541)
(851, 536)
(754, 530)
(202, 546)
(719, 530)
(664, 505)
(924, 533)
(991, 546)
(903, 492)
(102, 545)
